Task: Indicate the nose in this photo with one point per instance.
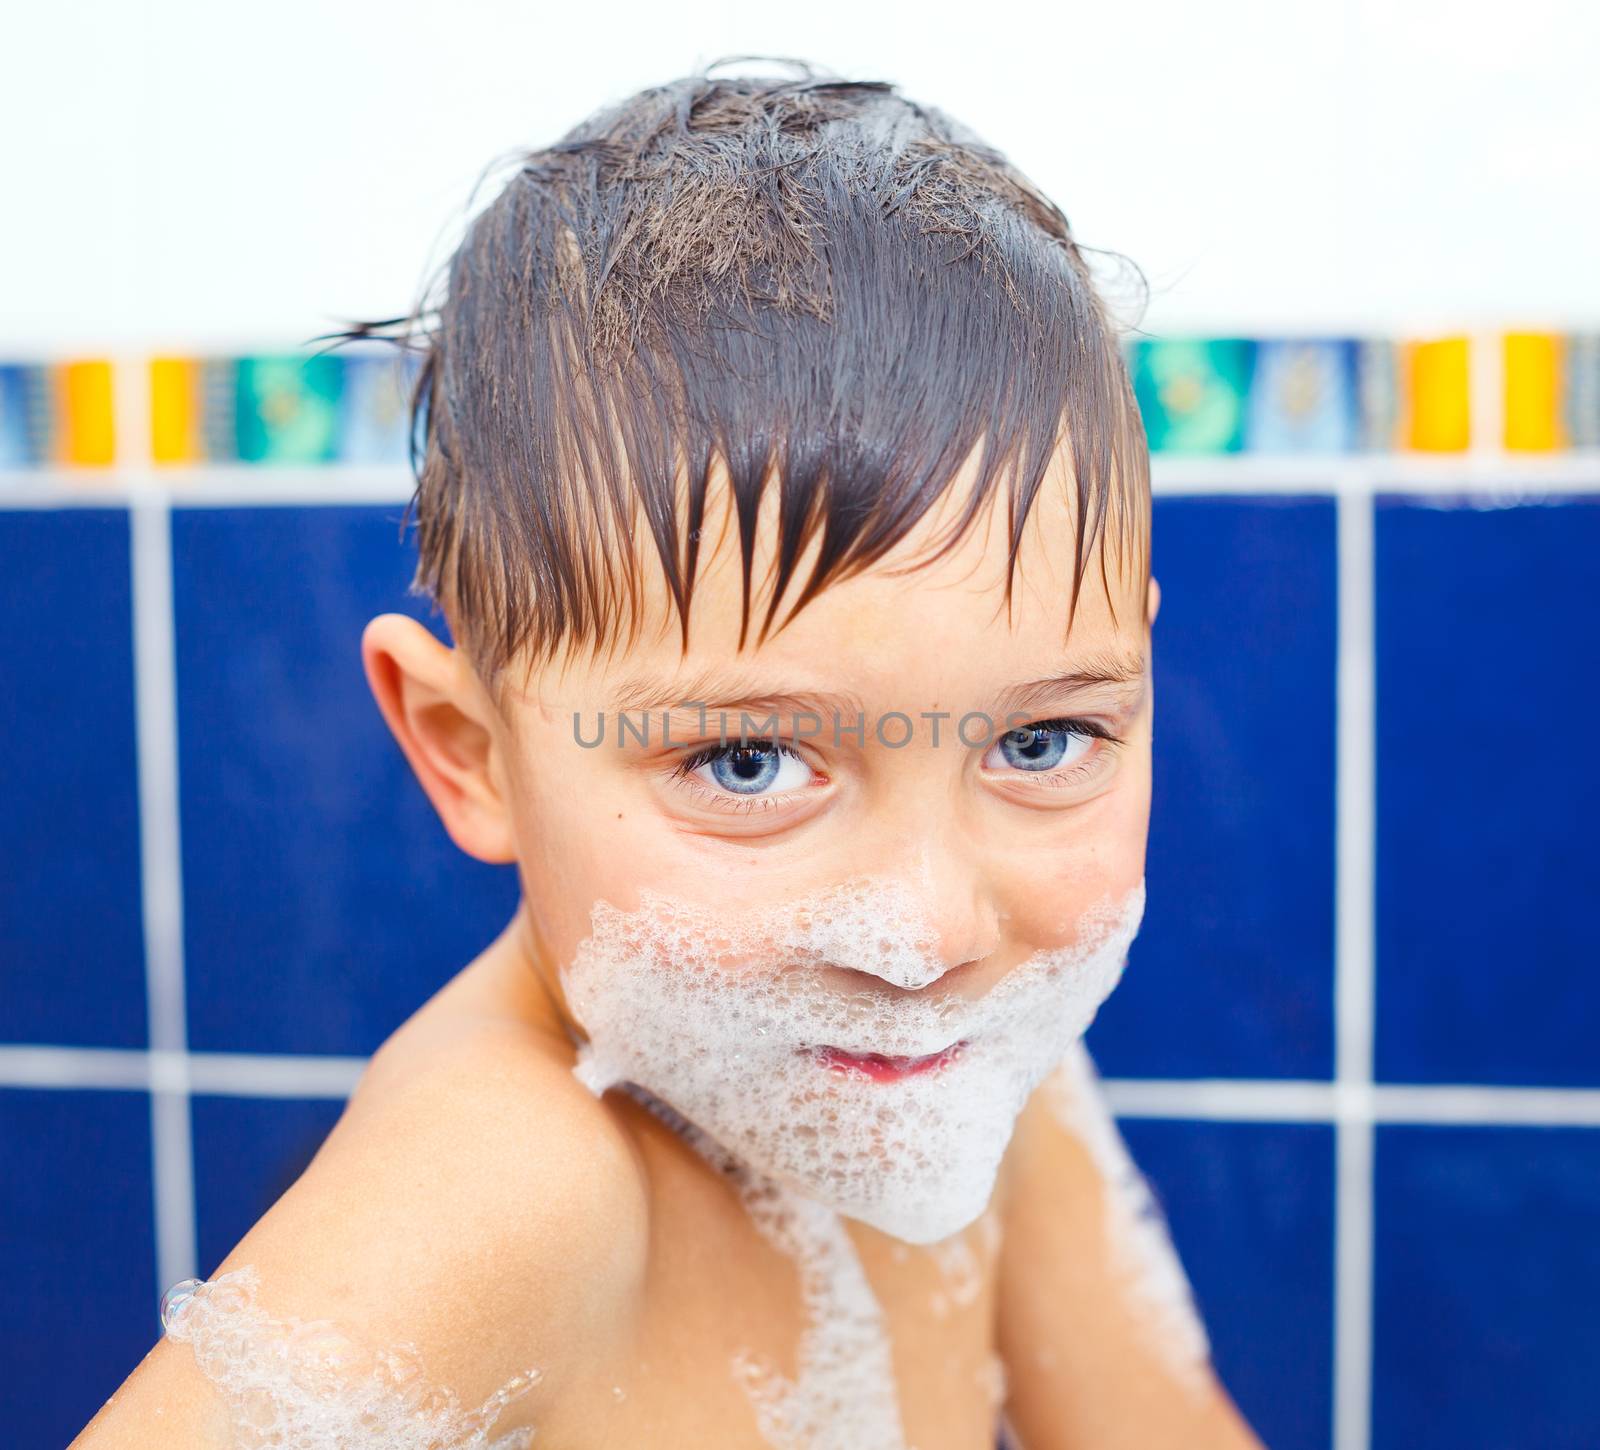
(950, 919)
(961, 905)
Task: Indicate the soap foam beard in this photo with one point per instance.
(679, 1002)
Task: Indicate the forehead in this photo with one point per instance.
(933, 611)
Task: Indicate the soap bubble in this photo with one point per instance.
(175, 1298)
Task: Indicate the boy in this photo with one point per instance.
(789, 509)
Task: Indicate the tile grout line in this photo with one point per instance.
(1355, 847)
(1192, 1100)
(1486, 395)
(1284, 1100)
(160, 856)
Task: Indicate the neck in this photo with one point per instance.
(536, 979)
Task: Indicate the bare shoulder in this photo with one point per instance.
(1098, 1330)
(496, 1098)
(474, 1204)
(473, 1189)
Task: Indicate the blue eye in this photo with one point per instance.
(750, 769)
(1043, 746)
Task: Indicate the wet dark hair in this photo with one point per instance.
(803, 273)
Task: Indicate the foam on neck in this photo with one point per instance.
(843, 1395)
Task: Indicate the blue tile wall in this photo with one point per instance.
(1488, 636)
(1238, 931)
(71, 943)
(247, 1152)
(1250, 1206)
(1487, 1281)
(325, 902)
(78, 1299)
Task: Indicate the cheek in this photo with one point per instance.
(572, 851)
(1098, 858)
(1045, 909)
(581, 842)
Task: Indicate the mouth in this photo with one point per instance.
(881, 1067)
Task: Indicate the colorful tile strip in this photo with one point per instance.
(56, 414)
(1533, 363)
(1304, 398)
(1192, 392)
(280, 409)
(1436, 397)
(1198, 395)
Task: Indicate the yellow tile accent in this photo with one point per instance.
(1439, 395)
(88, 432)
(1534, 364)
(174, 410)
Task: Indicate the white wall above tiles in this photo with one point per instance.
(177, 171)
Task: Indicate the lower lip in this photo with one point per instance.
(888, 1069)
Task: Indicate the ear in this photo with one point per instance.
(432, 704)
(1152, 601)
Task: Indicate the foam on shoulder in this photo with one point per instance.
(291, 1384)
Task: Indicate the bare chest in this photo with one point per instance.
(832, 1336)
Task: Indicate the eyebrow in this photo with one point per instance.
(1100, 669)
(725, 690)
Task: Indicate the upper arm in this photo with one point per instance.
(474, 1210)
(1100, 1339)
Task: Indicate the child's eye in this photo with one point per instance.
(753, 768)
(1057, 748)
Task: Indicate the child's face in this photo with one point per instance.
(1005, 858)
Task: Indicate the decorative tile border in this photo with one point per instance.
(1365, 395)
(1521, 393)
